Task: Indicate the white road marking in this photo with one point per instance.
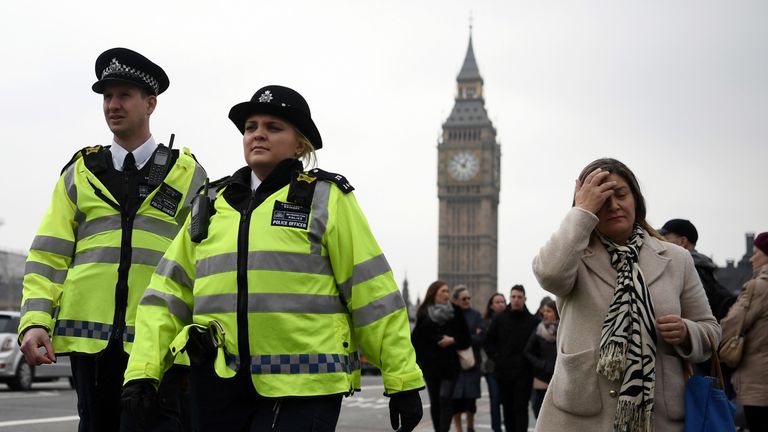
(38, 421)
(36, 394)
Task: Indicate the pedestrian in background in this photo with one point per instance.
(684, 234)
(541, 351)
(114, 212)
(440, 331)
(496, 305)
(750, 312)
(253, 290)
(631, 309)
(505, 345)
(467, 389)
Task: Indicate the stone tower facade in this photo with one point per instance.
(468, 189)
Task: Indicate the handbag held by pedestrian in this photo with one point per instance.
(707, 408)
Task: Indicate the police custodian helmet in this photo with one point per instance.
(280, 102)
(127, 66)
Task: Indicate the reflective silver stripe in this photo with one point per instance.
(271, 302)
(156, 226)
(84, 329)
(53, 245)
(198, 179)
(111, 255)
(46, 271)
(378, 309)
(113, 223)
(364, 271)
(319, 217)
(298, 363)
(69, 183)
(216, 264)
(264, 260)
(148, 257)
(175, 305)
(98, 225)
(37, 305)
(175, 272)
(289, 262)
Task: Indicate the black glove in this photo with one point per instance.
(139, 399)
(199, 346)
(405, 410)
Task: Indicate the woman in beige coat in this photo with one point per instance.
(631, 308)
(751, 377)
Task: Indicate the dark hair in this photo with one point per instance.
(615, 167)
(488, 309)
(552, 305)
(429, 297)
(517, 287)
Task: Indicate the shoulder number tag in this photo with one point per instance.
(290, 215)
(166, 200)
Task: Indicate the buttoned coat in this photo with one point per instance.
(574, 266)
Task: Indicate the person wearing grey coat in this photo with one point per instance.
(602, 258)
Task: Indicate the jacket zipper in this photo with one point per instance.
(243, 345)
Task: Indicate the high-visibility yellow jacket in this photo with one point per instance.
(308, 282)
(89, 264)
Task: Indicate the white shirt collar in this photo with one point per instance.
(141, 154)
(255, 182)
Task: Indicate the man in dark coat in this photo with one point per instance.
(505, 345)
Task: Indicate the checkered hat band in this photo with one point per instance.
(115, 68)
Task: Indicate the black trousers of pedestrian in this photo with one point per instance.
(514, 395)
(99, 381)
(440, 402)
(757, 418)
(233, 405)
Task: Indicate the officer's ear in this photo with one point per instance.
(151, 102)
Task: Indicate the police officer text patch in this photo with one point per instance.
(166, 200)
(290, 215)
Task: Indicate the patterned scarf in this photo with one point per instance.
(628, 339)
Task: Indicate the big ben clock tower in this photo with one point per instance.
(468, 189)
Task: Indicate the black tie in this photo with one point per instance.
(130, 183)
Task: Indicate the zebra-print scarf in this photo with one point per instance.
(628, 339)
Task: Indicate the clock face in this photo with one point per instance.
(463, 165)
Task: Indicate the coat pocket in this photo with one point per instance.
(574, 386)
(672, 385)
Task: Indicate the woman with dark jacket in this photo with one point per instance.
(541, 352)
(440, 331)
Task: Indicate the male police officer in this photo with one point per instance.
(114, 211)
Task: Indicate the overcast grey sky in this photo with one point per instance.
(675, 89)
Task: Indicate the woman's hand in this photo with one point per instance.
(593, 191)
(446, 341)
(673, 330)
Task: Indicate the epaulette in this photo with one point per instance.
(215, 186)
(82, 153)
(338, 179)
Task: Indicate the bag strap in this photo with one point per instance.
(715, 371)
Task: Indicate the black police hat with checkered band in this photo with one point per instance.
(124, 65)
(280, 102)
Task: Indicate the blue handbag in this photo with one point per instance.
(707, 408)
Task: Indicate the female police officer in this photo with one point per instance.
(272, 300)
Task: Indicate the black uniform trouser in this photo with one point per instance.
(232, 404)
(440, 393)
(99, 381)
(514, 395)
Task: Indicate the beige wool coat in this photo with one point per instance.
(751, 377)
(574, 266)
